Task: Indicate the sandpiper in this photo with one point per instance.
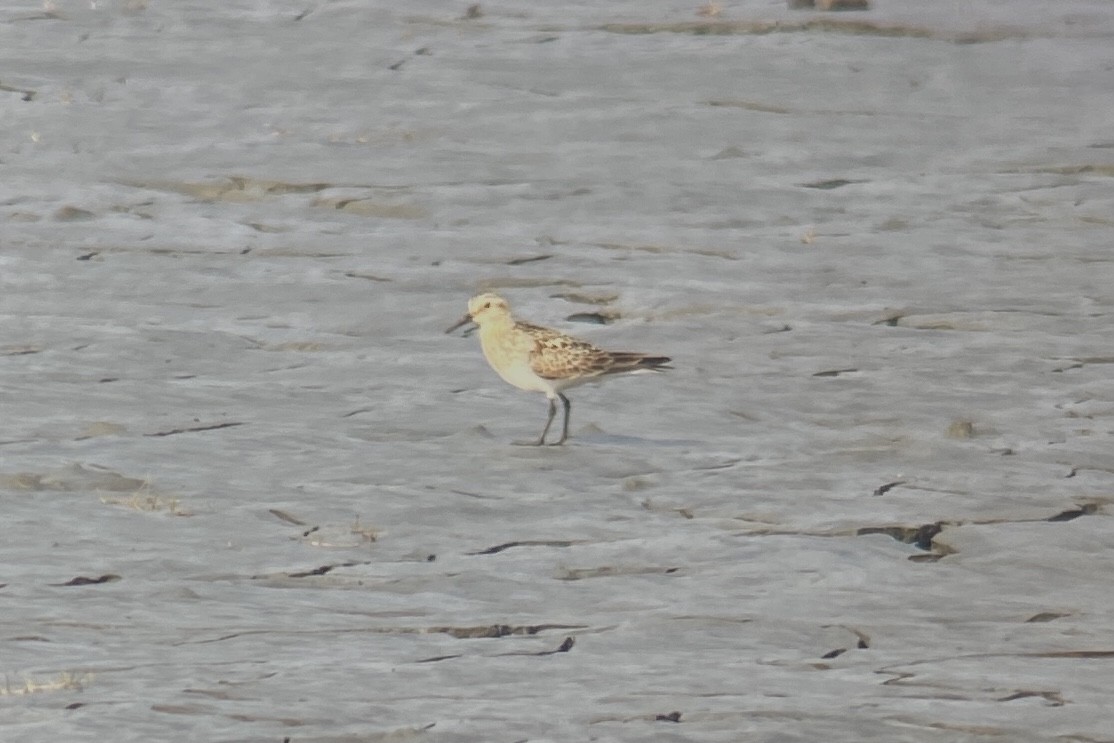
(539, 359)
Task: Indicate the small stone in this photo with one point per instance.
(830, 4)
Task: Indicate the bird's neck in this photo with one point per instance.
(495, 328)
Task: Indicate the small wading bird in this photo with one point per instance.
(539, 359)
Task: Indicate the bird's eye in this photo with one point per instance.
(487, 305)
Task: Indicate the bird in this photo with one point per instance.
(539, 359)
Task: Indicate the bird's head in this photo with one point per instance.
(482, 309)
(487, 306)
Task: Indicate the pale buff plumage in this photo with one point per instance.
(540, 359)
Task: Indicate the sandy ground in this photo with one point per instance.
(251, 491)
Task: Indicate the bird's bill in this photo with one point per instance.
(463, 321)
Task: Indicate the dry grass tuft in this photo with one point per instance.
(366, 533)
(66, 681)
(145, 499)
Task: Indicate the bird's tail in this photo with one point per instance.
(629, 362)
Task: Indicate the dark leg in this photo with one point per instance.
(568, 409)
(548, 422)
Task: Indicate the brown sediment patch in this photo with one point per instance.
(856, 27)
(1047, 616)
(74, 478)
(831, 184)
(242, 189)
(920, 536)
(101, 428)
(887, 487)
(1079, 363)
(284, 516)
(526, 543)
(318, 571)
(19, 350)
(266, 229)
(564, 647)
(524, 283)
(529, 259)
(903, 675)
(484, 631)
(116, 489)
(232, 188)
(586, 297)
(366, 207)
(961, 320)
(830, 5)
(1104, 169)
(835, 372)
(927, 536)
(1054, 698)
(498, 630)
(73, 214)
(610, 571)
(25, 94)
(603, 317)
(366, 276)
(303, 346)
(960, 429)
(1085, 509)
(83, 580)
(24, 217)
(667, 250)
(196, 429)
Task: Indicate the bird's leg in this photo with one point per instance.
(548, 422)
(565, 427)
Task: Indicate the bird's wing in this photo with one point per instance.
(558, 356)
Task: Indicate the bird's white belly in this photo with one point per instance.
(523, 377)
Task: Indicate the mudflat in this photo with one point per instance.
(252, 492)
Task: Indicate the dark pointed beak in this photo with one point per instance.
(463, 321)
